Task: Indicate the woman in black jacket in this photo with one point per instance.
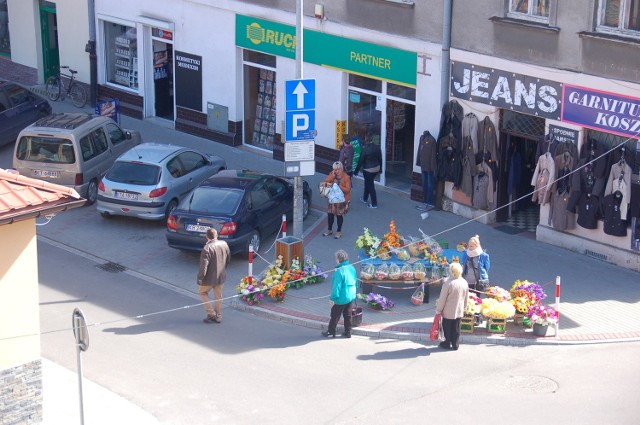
(370, 163)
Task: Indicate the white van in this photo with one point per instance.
(72, 149)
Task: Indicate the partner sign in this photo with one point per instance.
(600, 110)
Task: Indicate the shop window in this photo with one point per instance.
(403, 92)
(609, 141)
(259, 58)
(522, 124)
(121, 54)
(366, 83)
(5, 46)
(619, 16)
(259, 100)
(533, 10)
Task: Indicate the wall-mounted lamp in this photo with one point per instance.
(319, 11)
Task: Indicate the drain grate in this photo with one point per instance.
(595, 255)
(112, 267)
(533, 384)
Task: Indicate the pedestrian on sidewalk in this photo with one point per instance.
(476, 264)
(451, 305)
(338, 209)
(343, 293)
(346, 155)
(426, 160)
(214, 259)
(371, 164)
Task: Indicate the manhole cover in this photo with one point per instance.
(112, 267)
(533, 384)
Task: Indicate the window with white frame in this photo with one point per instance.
(619, 16)
(533, 10)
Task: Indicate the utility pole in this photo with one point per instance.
(93, 57)
(297, 180)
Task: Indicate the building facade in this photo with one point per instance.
(524, 72)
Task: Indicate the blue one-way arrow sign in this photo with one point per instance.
(300, 94)
(300, 114)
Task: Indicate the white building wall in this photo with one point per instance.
(24, 28)
(73, 35)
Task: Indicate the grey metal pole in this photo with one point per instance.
(446, 54)
(297, 181)
(77, 326)
(93, 57)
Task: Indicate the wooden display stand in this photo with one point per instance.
(498, 326)
(289, 247)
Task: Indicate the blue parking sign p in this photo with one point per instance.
(300, 125)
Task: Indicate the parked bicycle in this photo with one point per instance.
(56, 87)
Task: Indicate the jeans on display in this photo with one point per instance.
(370, 187)
(428, 187)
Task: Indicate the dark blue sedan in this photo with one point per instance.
(243, 206)
(19, 107)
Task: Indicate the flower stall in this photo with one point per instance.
(398, 262)
(277, 279)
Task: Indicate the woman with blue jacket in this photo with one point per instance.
(476, 263)
(343, 293)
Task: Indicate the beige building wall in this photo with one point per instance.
(19, 299)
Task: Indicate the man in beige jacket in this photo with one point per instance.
(451, 305)
(214, 258)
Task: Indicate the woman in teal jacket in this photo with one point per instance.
(342, 294)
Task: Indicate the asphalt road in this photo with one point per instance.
(148, 345)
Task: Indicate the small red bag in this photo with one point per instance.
(433, 335)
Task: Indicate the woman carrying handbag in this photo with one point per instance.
(337, 206)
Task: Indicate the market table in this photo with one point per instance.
(433, 273)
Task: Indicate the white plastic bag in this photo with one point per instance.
(335, 194)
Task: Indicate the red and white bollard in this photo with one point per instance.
(558, 304)
(250, 271)
(284, 225)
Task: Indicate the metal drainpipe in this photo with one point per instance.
(446, 54)
(93, 57)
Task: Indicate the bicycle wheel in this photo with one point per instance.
(78, 95)
(53, 88)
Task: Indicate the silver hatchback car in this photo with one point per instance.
(150, 179)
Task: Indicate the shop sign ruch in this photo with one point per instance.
(506, 90)
(373, 60)
(600, 110)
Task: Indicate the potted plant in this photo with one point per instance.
(541, 317)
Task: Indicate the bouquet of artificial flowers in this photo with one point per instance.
(250, 291)
(542, 315)
(314, 273)
(474, 305)
(495, 309)
(368, 242)
(498, 293)
(377, 301)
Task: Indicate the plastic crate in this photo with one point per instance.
(467, 324)
(498, 326)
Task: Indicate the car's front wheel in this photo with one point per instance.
(306, 204)
(255, 241)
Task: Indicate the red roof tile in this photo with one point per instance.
(24, 194)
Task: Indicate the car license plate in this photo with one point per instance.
(125, 195)
(196, 228)
(45, 173)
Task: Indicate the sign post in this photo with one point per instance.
(82, 344)
(299, 146)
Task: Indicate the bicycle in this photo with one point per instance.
(56, 89)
